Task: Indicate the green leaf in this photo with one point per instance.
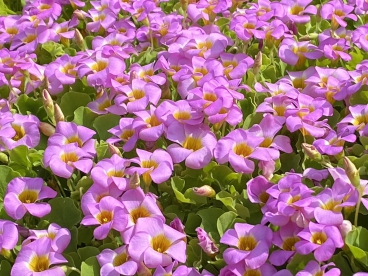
(63, 212)
(70, 101)
(5, 268)
(227, 199)
(84, 116)
(27, 105)
(298, 262)
(209, 218)
(74, 240)
(177, 184)
(193, 221)
(87, 252)
(357, 241)
(54, 49)
(6, 175)
(19, 156)
(103, 123)
(225, 221)
(90, 267)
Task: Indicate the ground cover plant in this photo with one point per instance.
(209, 137)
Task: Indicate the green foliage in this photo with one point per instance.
(63, 212)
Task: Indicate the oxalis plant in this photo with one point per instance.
(209, 137)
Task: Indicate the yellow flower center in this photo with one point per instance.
(247, 243)
(29, 38)
(160, 243)
(28, 196)
(294, 199)
(360, 119)
(264, 197)
(319, 238)
(210, 97)
(127, 134)
(74, 139)
(242, 149)
(39, 263)
(44, 7)
(104, 217)
(252, 272)
(103, 105)
(68, 69)
(136, 94)
(182, 115)
(100, 17)
(266, 142)
(289, 243)
(296, 10)
(19, 132)
(331, 205)
(99, 65)
(140, 212)
(152, 121)
(115, 173)
(279, 109)
(12, 30)
(69, 157)
(299, 83)
(120, 259)
(192, 143)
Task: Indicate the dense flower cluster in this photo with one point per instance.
(192, 137)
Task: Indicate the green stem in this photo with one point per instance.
(357, 211)
(111, 236)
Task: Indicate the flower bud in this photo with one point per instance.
(59, 116)
(177, 225)
(114, 150)
(257, 64)
(312, 152)
(79, 40)
(351, 172)
(143, 270)
(48, 103)
(134, 181)
(206, 243)
(205, 190)
(4, 158)
(345, 228)
(46, 129)
(79, 14)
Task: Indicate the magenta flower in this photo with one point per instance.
(332, 143)
(44, 9)
(101, 20)
(27, 40)
(177, 225)
(127, 131)
(194, 144)
(314, 268)
(298, 10)
(256, 190)
(69, 133)
(296, 53)
(337, 11)
(335, 49)
(95, 193)
(9, 235)
(276, 105)
(116, 262)
(112, 170)
(246, 27)
(61, 72)
(330, 202)
(139, 94)
(179, 111)
(156, 166)
(241, 269)
(107, 214)
(154, 127)
(206, 242)
(26, 132)
(36, 259)
(321, 239)
(208, 46)
(251, 242)
(22, 196)
(64, 159)
(358, 117)
(285, 238)
(156, 245)
(138, 205)
(60, 237)
(237, 147)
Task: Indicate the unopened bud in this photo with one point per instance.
(205, 190)
(114, 150)
(206, 243)
(166, 92)
(59, 116)
(134, 181)
(177, 225)
(345, 228)
(351, 172)
(79, 40)
(143, 270)
(257, 64)
(7, 254)
(79, 14)
(312, 152)
(4, 158)
(308, 37)
(46, 129)
(48, 103)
